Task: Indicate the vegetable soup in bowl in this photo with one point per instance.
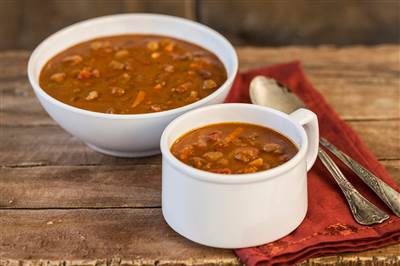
(115, 82)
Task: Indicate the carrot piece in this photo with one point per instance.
(234, 134)
(139, 98)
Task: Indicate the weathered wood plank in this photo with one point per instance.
(81, 186)
(382, 137)
(393, 167)
(133, 235)
(372, 85)
(359, 82)
(111, 186)
(50, 145)
(137, 234)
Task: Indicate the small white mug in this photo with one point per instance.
(241, 210)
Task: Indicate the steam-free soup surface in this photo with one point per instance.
(132, 74)
(233, 148)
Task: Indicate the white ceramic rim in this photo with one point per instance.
(200, 27)
(232, 178)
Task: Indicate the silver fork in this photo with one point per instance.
(387, 194)
(364, 212)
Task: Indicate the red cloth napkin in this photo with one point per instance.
(329, 227)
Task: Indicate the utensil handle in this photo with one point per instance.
(309, 121)
(364, 212)
(387, 194)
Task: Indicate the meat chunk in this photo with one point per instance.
(215, 135)
(116, 65)
(183, 87)
(246, 154)
(205, 74)
(273, 147)
(197, 162)
(184, 153)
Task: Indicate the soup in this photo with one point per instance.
(132, 74)
(233, 148)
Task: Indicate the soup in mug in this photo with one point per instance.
(233, 148)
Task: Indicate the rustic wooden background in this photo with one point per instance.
(24, 23)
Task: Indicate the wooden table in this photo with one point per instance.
(62, 202)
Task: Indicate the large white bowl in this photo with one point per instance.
(126, 135)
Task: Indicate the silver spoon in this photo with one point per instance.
(268, 92)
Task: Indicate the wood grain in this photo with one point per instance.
(138, 234)
(133, 186)
(115, 234)
(62, 202)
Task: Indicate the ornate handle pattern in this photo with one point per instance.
(364, 212)
(387, 194)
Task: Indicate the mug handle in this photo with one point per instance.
(309, 121)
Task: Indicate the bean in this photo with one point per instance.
(96, 73)
(156, 108)
(58, 77)
(155, 55)
(92, 96)
(121, 53)
(73, 59)
(117, 91)
(209, 84)
(96, 45)
(213, 155)
(169, 68)
(169, 47)
(153, 45)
